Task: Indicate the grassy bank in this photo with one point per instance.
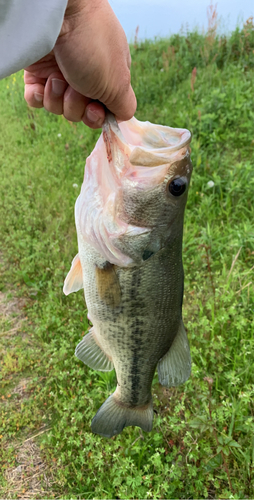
(202, 443)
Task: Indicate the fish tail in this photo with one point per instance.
(113, 416)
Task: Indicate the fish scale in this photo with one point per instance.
(132, 271)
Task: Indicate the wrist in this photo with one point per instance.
(74, 7)
(79, 12)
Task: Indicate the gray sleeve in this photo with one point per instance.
(28, 31)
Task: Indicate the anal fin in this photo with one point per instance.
(175, 367)
(92, 354)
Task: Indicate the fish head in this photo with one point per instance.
(155, 196)
(136, 185)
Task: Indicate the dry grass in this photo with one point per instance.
(22, 388)
(32, 477)
(11, 312)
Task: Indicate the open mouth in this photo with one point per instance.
(148, 145)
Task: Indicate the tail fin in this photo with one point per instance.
(112, 417)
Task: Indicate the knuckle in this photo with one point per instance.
(56, 109)
(71, 117)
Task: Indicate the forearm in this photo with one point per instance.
(28, 31)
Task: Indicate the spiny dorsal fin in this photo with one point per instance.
(74, 279)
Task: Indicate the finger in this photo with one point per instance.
(44, 67)
(54, 91)
(34, 94)
(74, 105)
(30, 78)
(34, 90)
(94, 115)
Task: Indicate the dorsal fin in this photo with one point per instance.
(74, 279)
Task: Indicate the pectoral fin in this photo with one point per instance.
(108, 285)
(175, 367)
(92, 354)
(74, 279)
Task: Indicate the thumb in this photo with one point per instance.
(124, 103)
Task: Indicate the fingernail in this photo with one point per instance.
(58, 86)
(38, 97)
(93, 117)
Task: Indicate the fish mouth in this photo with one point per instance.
(146, 144)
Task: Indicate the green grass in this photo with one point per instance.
(202, 443)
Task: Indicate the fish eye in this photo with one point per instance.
(178, 186)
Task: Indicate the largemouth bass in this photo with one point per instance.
(129, 219)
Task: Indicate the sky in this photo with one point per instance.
(165, 17)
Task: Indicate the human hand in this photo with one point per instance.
(87, 70)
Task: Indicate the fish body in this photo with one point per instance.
(129, 219)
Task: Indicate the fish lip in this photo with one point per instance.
(140, 154)
(157, 156)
